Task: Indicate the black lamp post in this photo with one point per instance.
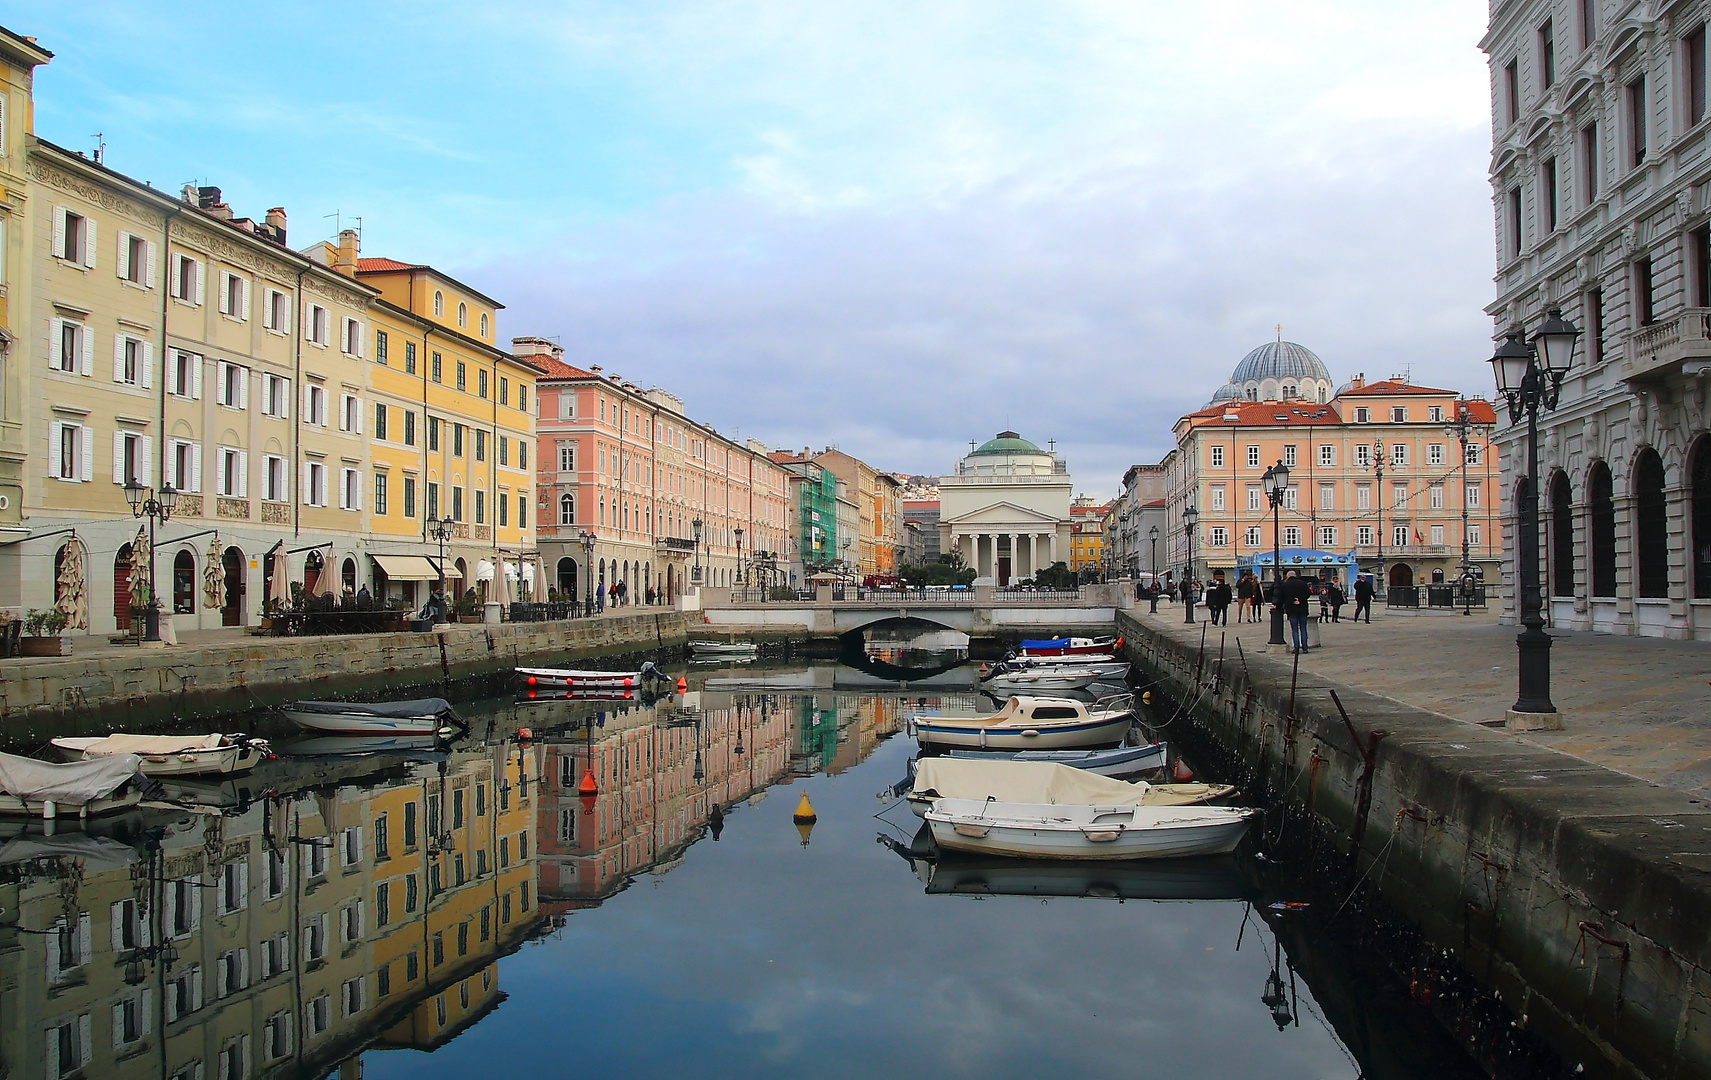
(742, 571)
(158, 508)
(1529, 376)
(696, 525)
(1462, 429)
(1378, 468)
(587, 540)
(1276, 480)
(1190, 518)
(440, 530)
(1152, 559)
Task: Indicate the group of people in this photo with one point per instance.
(619, 595)
(1248, 595)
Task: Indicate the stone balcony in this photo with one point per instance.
(1659, 350)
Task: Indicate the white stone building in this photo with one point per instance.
(1601, 172)
(1006, 509)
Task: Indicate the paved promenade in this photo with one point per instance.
(1639, 706)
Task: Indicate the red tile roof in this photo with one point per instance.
(1391, 386)
(1267, 414)
(556, 369)
(364, 266)
(785, 457)
(1481, 412)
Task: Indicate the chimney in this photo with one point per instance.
(536, 346)
(1358, 381)
(349, 247)
(595, 369)
(276, 222)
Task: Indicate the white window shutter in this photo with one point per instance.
(86, 467)
(308, 321)
(118, 358)
(195, 376)
(243, 388)
(118, 478)
(145, 1003)
(361, 339)
(244, 295)
(118, 922)
(118, 1025)
(308, 485)
(196, 466)
(148, 273)
(221, 298)
(56, 334)
(287, 311)
(122, 258)
(58, 231)
(220, 381)
(356, 490)
(54, 428)
(89, 242)
(243, 475)
(285, 401)
(201, 281)
(85, 1040)
(358, 415)
(145, 378)
(84, 950)
(308, 404)
(145, 474)
(86, 365)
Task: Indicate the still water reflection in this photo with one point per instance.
(478, 916)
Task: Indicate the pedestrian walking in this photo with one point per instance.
(1244, 595)
(1363, 598)
(1336, 598)
(1188, 592)
(1296, 594)
(1153, 593)
(1218, 598)
(600, 597)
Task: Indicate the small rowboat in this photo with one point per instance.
(1058, 831)
(173, 755)
(1119, 762)
(1100, 665)
(1072, 646)
(575, 679)
(1029, 723)
(425, 716)
(1045, 783)
(723, 648)
(1041, 678)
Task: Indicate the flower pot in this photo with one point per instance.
(421, 626)
(44, 646)
(469, 618)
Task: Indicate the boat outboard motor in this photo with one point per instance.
(649, 671)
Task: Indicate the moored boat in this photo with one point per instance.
(1060, 831)
(1029, 723)
(424, 716)
(1045, 783)
(585, 679)
(1040, 678)
(1071, 646)
(173, 755)
(1100, 665)
(1120, 762)
(704, 649)
(91, 786)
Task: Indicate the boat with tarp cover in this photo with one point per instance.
(422, 716)
(1032, 723)
(1043, 782)
(173, 755)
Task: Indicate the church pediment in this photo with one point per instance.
(1015, 518)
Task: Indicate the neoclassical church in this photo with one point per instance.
(1006, 509)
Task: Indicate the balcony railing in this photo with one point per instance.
(1659, 349)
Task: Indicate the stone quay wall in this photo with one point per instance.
(134, 689)
(1581, 896)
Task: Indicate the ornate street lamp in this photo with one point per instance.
(1529, 376)
(1378, 467)
(696, 525)
(1152, 560)
(1276, 481)
(742, 571)
(1463, 429)
(587, 540)
(1190, 518)
(158, 509)
(440, 530)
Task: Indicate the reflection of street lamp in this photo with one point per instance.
(696, 525)
(158, 509)
(1276, 481)
(1190, 517)
(1530, 376)
(440, 530)
(587, 539)
(1276, 997)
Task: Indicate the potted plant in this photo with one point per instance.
(42, 634)
(468, 607)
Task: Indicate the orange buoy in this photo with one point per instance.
(682, 684)
(524, 734)
(587, 786)
(1183, 773)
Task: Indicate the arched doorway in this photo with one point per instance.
(232, 612)
(122, 588)
(1601, 521)
(1651, 526)
(456, 587)
(1401, 576)
(1699, 473)
(184, 583)
(1562, 537)
(347, 579)
(311, 572)
(671, 584)
(567, 578)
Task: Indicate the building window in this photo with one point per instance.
(1289, 459)
(1399, 496)
(1512, 91)
(434, 433)
(457, 504)
(234, 469)
(1437, 536)
(234, 385)
(319, 329)
(185, 379)
(1327, 454)
(1363, 496)
(1472, 496)
(436, 366)
(409, 496)
(409, 428)
(273, 479)
(1651, 526)
(136, 260)
(1471, 455)
(1399, 414)
(1700, 244)
(501, 516)
(186, 280)
(504, 390)
(1547, 55)
(457, 440)
(1253, 497)
(481, 382)
(1399, 453)
(566, 457)
(1363, 535)
(409, 358)
(1435, 496)
(484, 324)
(1253, 457)
(1219, 536)
(461, 381)
(1292, 536)
(314, 484)
(439, 304)
(433, 512)
(380, 421)
(1589, 164)
(1217, 493)
(462, 313)
(1327, 496)
(481, 444)
(1693, 57)
(567, 509)
(1399, 536)
(133, 362)
(1250, 536)
(1216, 457)
(350, 414)
(1548, 193)
(276, 400)
(1435, 453)
(72, 345)
(350, 489)
(1644, 312)
(315, 405)
(380, 493)
(480, 506)
(1327, 538)
(235, 296)
(504, 450)
(1292, 497)
(1636, 102)
(278, 315)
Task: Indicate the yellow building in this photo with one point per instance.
(169, 342)
(1087, 533)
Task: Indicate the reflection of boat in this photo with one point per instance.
(424, 716)
(93, 853)
(1043, 783)
(173, 755)
(581, 679)
(225, 794)
(1211, 877)
(353, 745)
(91, 786)
(708, 649)
(581, 694)
(1029, 723)
(1061, 831)
(1119, 761)
(1100, 666)
(1041, 678)
(1071, 646)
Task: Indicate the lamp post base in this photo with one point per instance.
(1515, 720)
(151, 624)
(1276, 626)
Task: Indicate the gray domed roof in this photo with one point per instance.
(1228, 392)
(1280, 360)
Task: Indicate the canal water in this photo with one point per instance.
(477, 913)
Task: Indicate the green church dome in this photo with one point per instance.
(1007, 442)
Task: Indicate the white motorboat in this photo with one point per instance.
(1043, 782)
(173, 755)
(1029, 723)
(585, 679)
(1120, 762)
(425, 716)
(1101, 667)
(1059, 831)
(1071, 646)
(91, 786)
(1040, 678)
(707, 649)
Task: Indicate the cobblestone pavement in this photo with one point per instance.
(1640, 706)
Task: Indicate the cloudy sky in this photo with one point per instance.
(887, 226)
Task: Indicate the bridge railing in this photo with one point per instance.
(1037, 596)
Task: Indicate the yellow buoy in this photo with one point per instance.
(803, 828)
(1146, 697)
(804, 814)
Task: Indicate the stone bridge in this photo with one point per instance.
(981, 611)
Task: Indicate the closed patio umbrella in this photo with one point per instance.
(507, 574)
(324, 583)
(73, 588)
(280, 587)
(214, 576)
(142, 583)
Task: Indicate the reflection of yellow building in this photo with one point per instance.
(305, 929)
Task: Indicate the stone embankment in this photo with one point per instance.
(1578, 894)
(132, 689)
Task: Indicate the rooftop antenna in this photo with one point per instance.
(1279, 329)
(358, 221)
(100, 149)
(338, 222)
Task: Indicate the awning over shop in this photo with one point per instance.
(407, 567)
